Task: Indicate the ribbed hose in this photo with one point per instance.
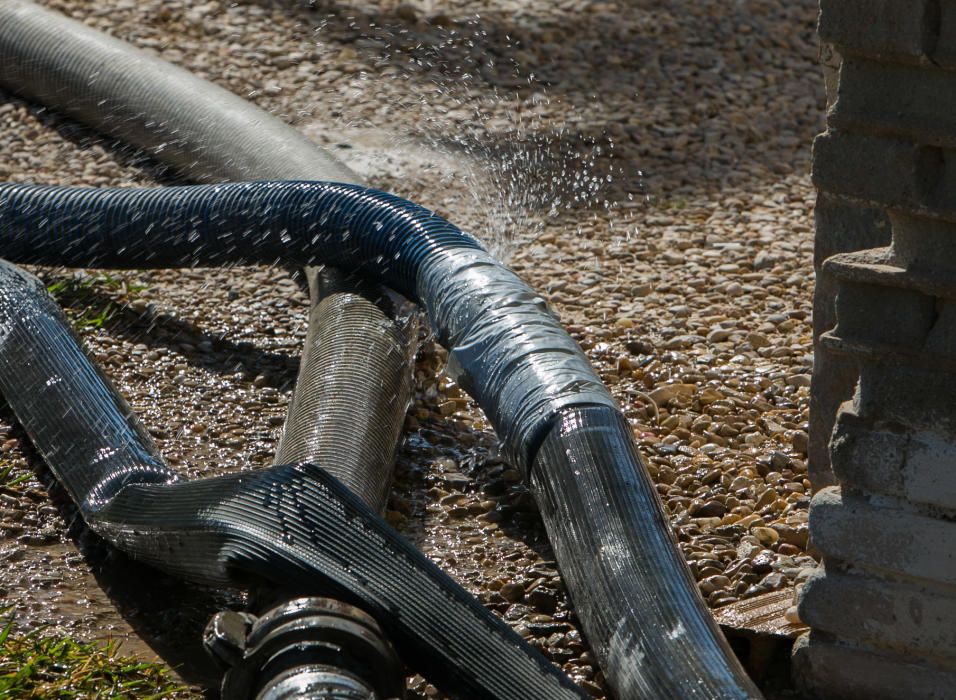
(209, 134)
(498, 333)
(294, 527)
(304, 223)
(463, 312)
(589, 464)
(354, 379)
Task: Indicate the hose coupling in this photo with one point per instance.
(304, 649)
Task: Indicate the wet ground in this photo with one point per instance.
(644, 165)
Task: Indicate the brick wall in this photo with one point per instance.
(883, 400)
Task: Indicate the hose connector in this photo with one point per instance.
(304, 649)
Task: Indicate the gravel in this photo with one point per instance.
(644, 165)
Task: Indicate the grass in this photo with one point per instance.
(10, 480)
(33, 665)
(77, 295)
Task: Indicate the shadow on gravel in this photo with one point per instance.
(164, 330)
(700, 97)
(83, 138)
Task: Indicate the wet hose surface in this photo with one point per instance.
(294, 526)
(354, 381)
(640, 608)
(505, 348)
(532, 393)
(351, 394)
(209, 134)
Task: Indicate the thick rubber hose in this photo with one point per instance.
(514, 357)
(295, 527)
(354, 380)
(535, 415)
(209, 134)
(643, 603)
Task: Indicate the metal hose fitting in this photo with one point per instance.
(305, 649)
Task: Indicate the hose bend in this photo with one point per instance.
(293, 526)
(209, 134)
(505, 348)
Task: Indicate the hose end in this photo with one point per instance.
(306, 649)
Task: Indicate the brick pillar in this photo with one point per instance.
(883, 607)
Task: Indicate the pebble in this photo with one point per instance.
(512, 592)
(800, 441)
(767, 536)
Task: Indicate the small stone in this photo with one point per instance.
(543, 601)
(639, 347)
(757, 340)
(797, 536)
(779, 461)
(406, 13)
(767, 536)
(792, 615)
(765, 499)
(798, 380)
(683, 341)
(708, 509)
(762, 563)
(763, 260)
(800, 441)
(512, 592)
(740, 483)
(718, 335)
(667, 393)
(773, 581)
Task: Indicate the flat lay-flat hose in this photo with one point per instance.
(294, 526)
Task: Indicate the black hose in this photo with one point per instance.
(302, 223)
(533, 393)
(530, 379)
(295, 527)
(209, 134)
(639, 612)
